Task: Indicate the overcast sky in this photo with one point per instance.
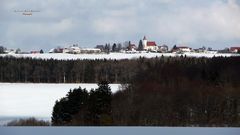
(195, 23)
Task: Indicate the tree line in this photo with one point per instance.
(61, 71)
(164, 92)
(28, 122)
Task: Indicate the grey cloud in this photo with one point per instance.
(92, 22)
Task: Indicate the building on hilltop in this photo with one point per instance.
(132, 47)
(101, 47)
(179, 49)
(75, 49)
(56, 50)
(149, 45)
(163, 49)
(235, 49)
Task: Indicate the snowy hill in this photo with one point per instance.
(117, 56)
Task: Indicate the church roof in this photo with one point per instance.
(151, 43)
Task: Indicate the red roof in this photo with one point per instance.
(151, 43)
(235, 48)
(132, 45)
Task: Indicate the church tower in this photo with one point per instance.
(144, 42)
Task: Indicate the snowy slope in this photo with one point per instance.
(27, 99)
(117, 56)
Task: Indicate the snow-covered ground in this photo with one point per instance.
(117, 56)
(35, 100)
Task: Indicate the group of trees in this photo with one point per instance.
(166, 92)
(17, 51)
(2, 49)
(72, 71)
(81, 107)
(181, 92)
(117, 47)
(28, 122)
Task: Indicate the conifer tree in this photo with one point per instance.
(100, 105)
(69, 106)
(140, 45)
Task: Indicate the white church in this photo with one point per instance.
(149, 45)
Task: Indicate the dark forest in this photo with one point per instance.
(162, 91)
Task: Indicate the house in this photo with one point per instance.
(179, 49)
(35, 52)
(101, 47)
(225, 50)
(90, 50)
(184, 49)
(132, 47)
(163, 49)
(235, 49)
(149, 45)
(66, 50)
(74, 49)
(56, 50)
(51, 50)
(201, 50)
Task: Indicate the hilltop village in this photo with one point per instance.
(144, 46)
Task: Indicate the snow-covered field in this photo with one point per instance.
(35, 100)
(117, 56)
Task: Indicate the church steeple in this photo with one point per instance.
(144, 38)
(144, 42)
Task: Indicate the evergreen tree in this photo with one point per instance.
(18, 51)
(114, 47)
(1, 49)
(174, 47)
(69, 106)
(107, 48)
(140, 45)
(119, 47)
(100, 111)
(41, 51)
